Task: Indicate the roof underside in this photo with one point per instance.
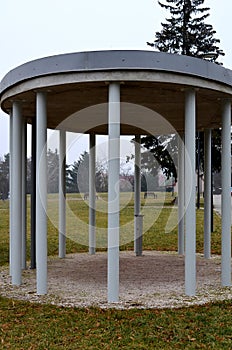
(87, 104)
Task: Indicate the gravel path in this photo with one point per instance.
(155, 280)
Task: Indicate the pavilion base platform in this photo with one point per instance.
(154, 280)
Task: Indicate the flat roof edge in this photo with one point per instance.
(114, 60)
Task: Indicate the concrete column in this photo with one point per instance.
(207, 195)
(181, 194)
(226, 196)
(137, 191)
(62, 195)
(24, 195)
(190, 210)
(41, 193)
(33, 194)
(11, 192)
(92, 194)
(16, 244)
(113, 192)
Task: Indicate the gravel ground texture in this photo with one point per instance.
(154, 280)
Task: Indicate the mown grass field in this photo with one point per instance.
(39, 327)
(160, 223)
(33, 326)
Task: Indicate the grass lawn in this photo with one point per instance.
(24, 325)
(34, 326)
(160, 220)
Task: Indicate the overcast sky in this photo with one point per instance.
(33, 29)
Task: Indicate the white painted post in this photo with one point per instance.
(113, 192)
(33, 194)
(190, 210)
(16, 245)
(92, 194)
(207, 195)
(24, 195)
(138, 227)
(62, 195)
(226, 196)
(181, 194)
(41, 193)
(11, 192)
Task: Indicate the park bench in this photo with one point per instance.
(150, 194)
(86, 196)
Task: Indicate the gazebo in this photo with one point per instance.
(191, 94)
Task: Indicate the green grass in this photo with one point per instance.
(34, 326)
(157, 213)
(25, 325)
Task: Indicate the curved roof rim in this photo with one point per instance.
(116, 60)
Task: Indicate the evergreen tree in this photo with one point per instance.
(78, 175)
(186, 32)
(164, 149)
(77, 178)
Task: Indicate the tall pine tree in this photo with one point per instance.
(186, 31)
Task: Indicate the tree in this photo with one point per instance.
(4, 176)
(53, 171)
(101, 177)
(78, 175)
(216, 150)
(153, 161)
(164, 149)
(77, 178)
(185, 33)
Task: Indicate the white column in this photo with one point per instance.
(62, 195)
(33, 194)
(226, 197)
(207, 195)
(137, 191)
(16, 222)
(41, 193)
(10, 190)
(180, 194)
(190, 210)
(113, 192)
(92, 194)
(24, 195)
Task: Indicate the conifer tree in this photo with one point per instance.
(186, 31)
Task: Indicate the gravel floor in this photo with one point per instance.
(154, 280)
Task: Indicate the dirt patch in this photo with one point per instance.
(153, 280)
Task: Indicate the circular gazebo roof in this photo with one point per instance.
(150, 79)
